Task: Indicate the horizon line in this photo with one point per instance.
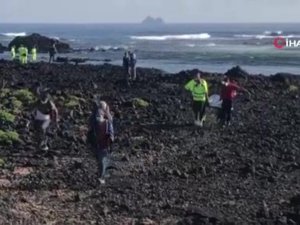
(140, 23)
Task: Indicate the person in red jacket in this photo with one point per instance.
(228, 93)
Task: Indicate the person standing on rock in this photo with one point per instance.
(132, 65)
(52, 52)
(44, 113)
(13, 52)
(199, 89)
(100, 136)
(228, 93)
(23, 54)
(126, 66)
(34, 54)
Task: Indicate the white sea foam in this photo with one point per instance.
(173, 37)
(14, 34)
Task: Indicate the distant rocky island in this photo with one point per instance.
(153, 21)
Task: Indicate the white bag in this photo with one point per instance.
(214, 101)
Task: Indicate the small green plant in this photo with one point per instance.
(16, 104)
(9, 137)
(4, 92)
(138, 102)
(2, 162)
(6, 116)
(73, 101)
(293, 88)
(25, 96)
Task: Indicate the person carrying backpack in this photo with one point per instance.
(101, 136)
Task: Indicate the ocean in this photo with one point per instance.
(175, 47)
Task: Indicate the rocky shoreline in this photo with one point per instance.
(168, 171)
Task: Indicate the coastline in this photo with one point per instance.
(168, 169)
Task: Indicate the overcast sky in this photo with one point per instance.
(115, 11)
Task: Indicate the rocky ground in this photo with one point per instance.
(168, 171)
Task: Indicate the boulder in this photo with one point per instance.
(43, 43)
(284, 78)
(237, 72)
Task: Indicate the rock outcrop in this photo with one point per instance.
(43, 43)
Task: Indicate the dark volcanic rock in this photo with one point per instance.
(284, 78)
(163, 168)
(237, 72)
(43, 43)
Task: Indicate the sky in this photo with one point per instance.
(132, 11)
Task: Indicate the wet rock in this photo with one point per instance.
(43, 43)
(237, 72)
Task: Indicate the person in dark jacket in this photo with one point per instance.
(52, 52)
(101, 136)
(126, 64)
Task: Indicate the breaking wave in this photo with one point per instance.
(173, 37)
(14, 34)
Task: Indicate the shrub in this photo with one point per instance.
(73, 101)
(16, 104)
(4, 92)
(25, 96)
(2, 162)
(6, 116)
(9, 137)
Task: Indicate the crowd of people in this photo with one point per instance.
(22, 53)
(100, 134)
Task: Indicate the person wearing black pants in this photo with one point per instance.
(229, 92)
(199, 89)
(226, 111)
(199, 109)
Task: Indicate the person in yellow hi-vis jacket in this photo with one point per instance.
(199, 89)
(13, 52)
(34, 54)
(23, 54)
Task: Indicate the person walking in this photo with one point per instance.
(44, 112)
(199, 89)
(228, 94)
(101, 136)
